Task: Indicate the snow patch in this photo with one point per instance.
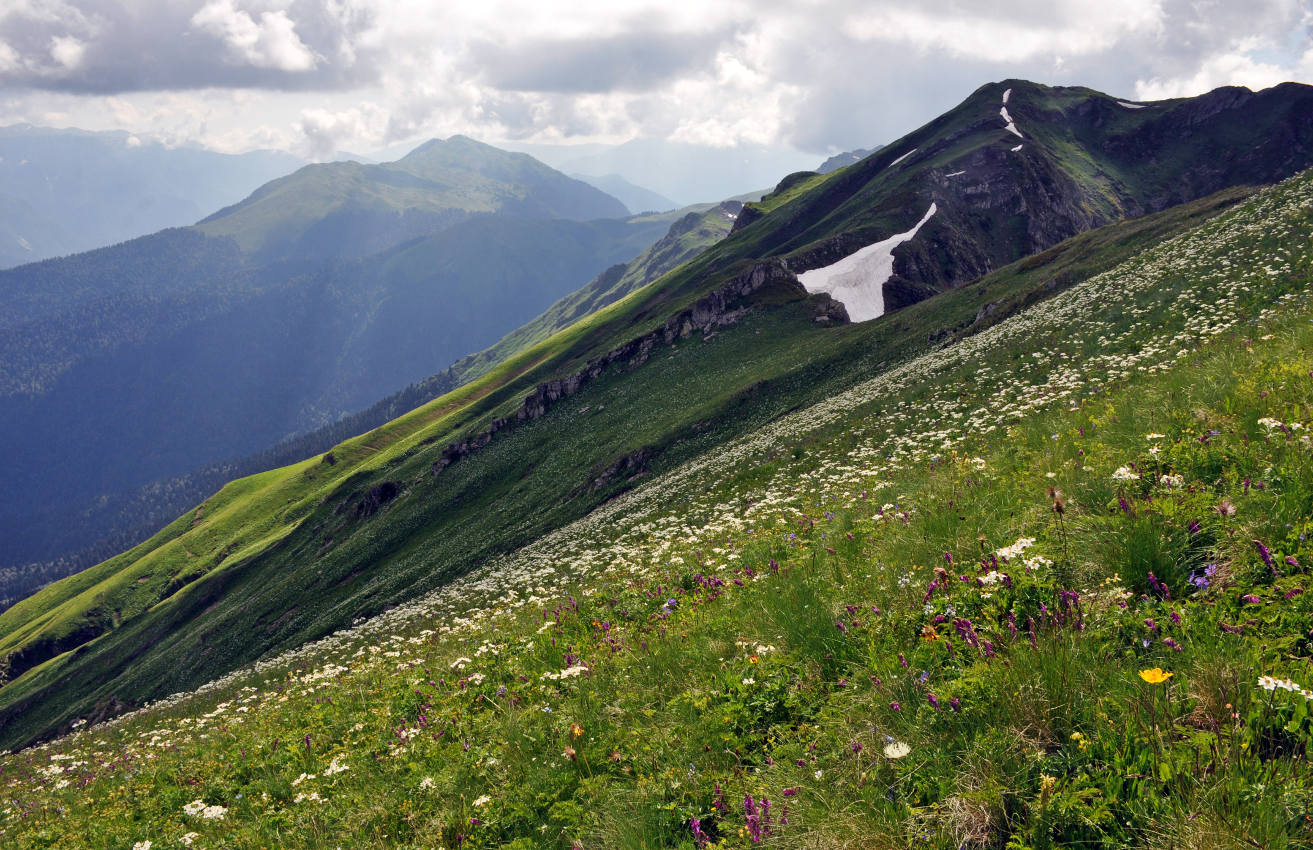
(1130, 105)
(857, 281)
(1011, 127)
(1006, 94)
(1017, 148)
(901, 158)
(955, 174)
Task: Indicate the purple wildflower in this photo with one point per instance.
(1266, 554)
(700, 838)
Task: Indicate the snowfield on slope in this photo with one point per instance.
(858, 279)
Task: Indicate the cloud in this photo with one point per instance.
(270, 43)
(1235, 66)
(8, 59)
(322, 132)
(823, 75)
(99, 47)
(1003, 34)
(67, 51)
(632, 61)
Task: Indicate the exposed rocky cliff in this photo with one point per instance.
(1065, 160)
(722, 306)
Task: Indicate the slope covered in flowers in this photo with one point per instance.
(1040, 588)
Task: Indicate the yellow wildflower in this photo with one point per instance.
(1156, 676)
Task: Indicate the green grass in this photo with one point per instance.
(557, 699)
(288, 561)
(306, 559)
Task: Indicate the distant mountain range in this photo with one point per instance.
(313, 298)
(75, 537)
(65, 191)
(636, 198)
(1014, 195)
(842, 160)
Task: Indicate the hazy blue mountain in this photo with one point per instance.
(840, 160)
(636, 198)
(148, 359)
(64, 191)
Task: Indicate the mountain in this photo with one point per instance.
(842, 160)
(350, 210)
(66, 191)
(692, 233)
(1041, 586)
(1073, 159)
(636, 198)
(117, 521)
(138, 363)
(710, 353)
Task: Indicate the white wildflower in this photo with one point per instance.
(896, 750)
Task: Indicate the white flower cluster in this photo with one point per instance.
(567, 673)
(198, 808)
(1269, 683)
(1007, 553)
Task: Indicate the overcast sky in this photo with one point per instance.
(318, 76)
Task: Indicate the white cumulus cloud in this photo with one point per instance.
(1235, 66)
(271, 42)
(8, 58)
(1068, 27)
(67, 51)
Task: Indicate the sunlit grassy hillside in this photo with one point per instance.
(1042, 587)
(290, 556)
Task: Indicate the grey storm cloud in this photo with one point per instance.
(633, 61)
(106, 47)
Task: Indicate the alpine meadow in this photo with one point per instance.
(952, 492)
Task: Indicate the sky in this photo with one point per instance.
(317, 77)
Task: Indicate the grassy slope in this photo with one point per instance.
(523, 486)
(479, 507)
(809, 633)
(693, 230)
